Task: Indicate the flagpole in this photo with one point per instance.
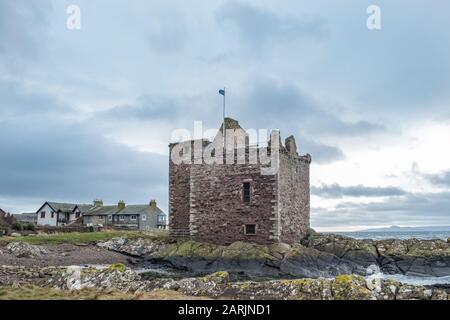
(224, 128)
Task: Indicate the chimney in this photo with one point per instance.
(121, 204)
(153, 204)
(98, 203)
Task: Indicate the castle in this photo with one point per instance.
(226, 202)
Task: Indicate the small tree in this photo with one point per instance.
(17, 226)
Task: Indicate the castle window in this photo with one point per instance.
(246, 192)
(250, 229)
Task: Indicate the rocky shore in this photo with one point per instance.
(217, 285)
(322, 266)
(319, 255)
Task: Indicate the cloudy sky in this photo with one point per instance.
(89, 113)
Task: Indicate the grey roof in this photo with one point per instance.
(25, 214)
(85, 207)
(138, 209)
(101, 211)
(68, 207)
(28, 216)
(134, 209)
(61, 206)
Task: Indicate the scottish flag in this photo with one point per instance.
(222, 92)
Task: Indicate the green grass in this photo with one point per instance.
(82, 237)
(39, 293)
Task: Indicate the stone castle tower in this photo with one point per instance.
(224, 203)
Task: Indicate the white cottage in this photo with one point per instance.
(60, 214)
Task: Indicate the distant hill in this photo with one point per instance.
(419, 229)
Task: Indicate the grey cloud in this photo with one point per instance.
(149, 108)
(411, 209)
(46, 156)
(170, 35)
(337, 191)
(322, 153)
(426, 204)
(281, 105)
(257, 26)
(18, 100)
(441, 179)
(146, 108)
(72, 162)
(22, 30)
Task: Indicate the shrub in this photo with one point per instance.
(17, 226)
(29, 226)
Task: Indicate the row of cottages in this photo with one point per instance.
(26, 217)
(140, 217)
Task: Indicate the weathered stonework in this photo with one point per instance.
(206, 200)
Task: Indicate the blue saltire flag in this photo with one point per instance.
(222, 92)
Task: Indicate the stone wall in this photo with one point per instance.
(217, 211)
(67, 229)
(179, 197)
(293, 197)
(95, 220)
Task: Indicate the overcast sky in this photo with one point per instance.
(89, 113)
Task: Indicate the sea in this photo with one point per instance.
(422, 235)
(380, 235)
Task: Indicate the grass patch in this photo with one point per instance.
(83, 237)
(39, 293)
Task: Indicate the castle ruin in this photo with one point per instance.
(224, 203)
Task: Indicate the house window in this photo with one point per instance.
(42, 214)
(110, 217)
(250, 229)
(77, 215)
(121, 218)
(53, 214)
(161, 219)
(144, 217)
(246, 192)
(134, 218)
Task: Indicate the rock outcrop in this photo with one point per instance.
(409, 257)
(240, 259)
(25, 250)
(319, 255)
(218, 285)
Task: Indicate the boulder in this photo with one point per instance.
(25, 250)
